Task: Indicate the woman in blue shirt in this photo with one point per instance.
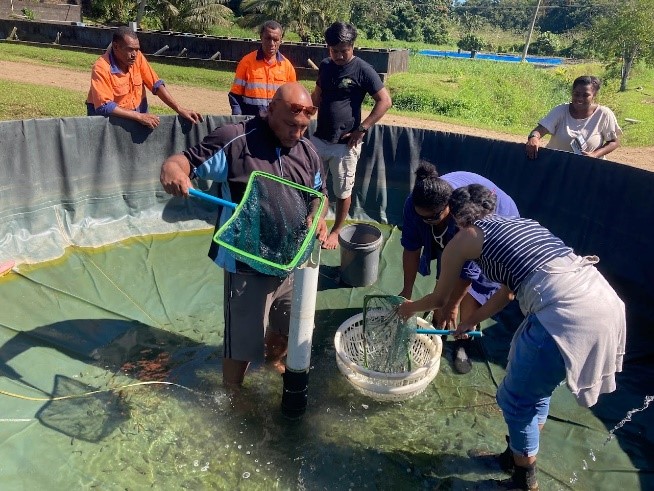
(426, 230)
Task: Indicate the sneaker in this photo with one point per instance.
(462, 363)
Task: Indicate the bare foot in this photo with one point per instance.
(275, 351)
(331, 242)
(277, 365)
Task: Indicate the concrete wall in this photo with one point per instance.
(62, 12)
(384, 61)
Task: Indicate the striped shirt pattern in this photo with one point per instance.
(514, 247)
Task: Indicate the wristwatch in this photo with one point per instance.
(362, 129)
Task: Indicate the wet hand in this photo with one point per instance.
(322, 230)
(174, 180)
(405, 294)
(405, 310)
(462, 329)
(446, 317)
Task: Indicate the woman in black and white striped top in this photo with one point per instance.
(574, 327)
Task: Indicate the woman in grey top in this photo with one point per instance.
(574, 327)
(581, 126)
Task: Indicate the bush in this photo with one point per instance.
(28, 14)
(435, 34)
(420, 102)
(470, 42)
(579, 49)
(546, 43)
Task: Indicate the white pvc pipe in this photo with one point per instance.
(303, 309)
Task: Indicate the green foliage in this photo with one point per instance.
(470, 42)
(422, 102)
(565, 15)
(579, 49)
(546, 43)
(404, 20)
(28, 13)
(558, 16)
(503, 96)
(114, 11)
(505, 14)
(627, 34)
(307, 18)
(190, 15)
(237, 31)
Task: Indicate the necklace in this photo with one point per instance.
(439, 238)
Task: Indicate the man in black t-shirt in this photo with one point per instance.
(343, 82)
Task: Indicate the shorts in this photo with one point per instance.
(341, 161)
(252, 304)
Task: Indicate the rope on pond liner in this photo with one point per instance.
(86, 394)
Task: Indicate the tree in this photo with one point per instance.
(626, 35)
(191, 15)
(406, 20)
(506, 14)
(307, 18)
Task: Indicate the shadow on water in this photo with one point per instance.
(140, 352)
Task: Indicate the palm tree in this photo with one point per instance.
(192, 15)
(307, 18)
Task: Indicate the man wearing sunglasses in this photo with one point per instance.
(343, 82)
(260, 73)
(256, 306)
(427, 228)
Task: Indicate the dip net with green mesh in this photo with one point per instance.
(268, 230)
(388, 339)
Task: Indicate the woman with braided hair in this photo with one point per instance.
(574, 329)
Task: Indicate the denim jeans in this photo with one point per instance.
(534, 371)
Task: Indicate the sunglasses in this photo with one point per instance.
(299, 108)
(434, 218)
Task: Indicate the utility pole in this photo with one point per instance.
(531, 31)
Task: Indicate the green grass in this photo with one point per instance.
(505, 97)
(25, 101)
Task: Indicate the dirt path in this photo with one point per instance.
(209, 101)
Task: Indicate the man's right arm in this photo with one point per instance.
(174, 175)
(237, 90)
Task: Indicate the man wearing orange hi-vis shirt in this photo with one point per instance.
(119, 79)
(260, 73)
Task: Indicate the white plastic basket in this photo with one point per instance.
(425, 352)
